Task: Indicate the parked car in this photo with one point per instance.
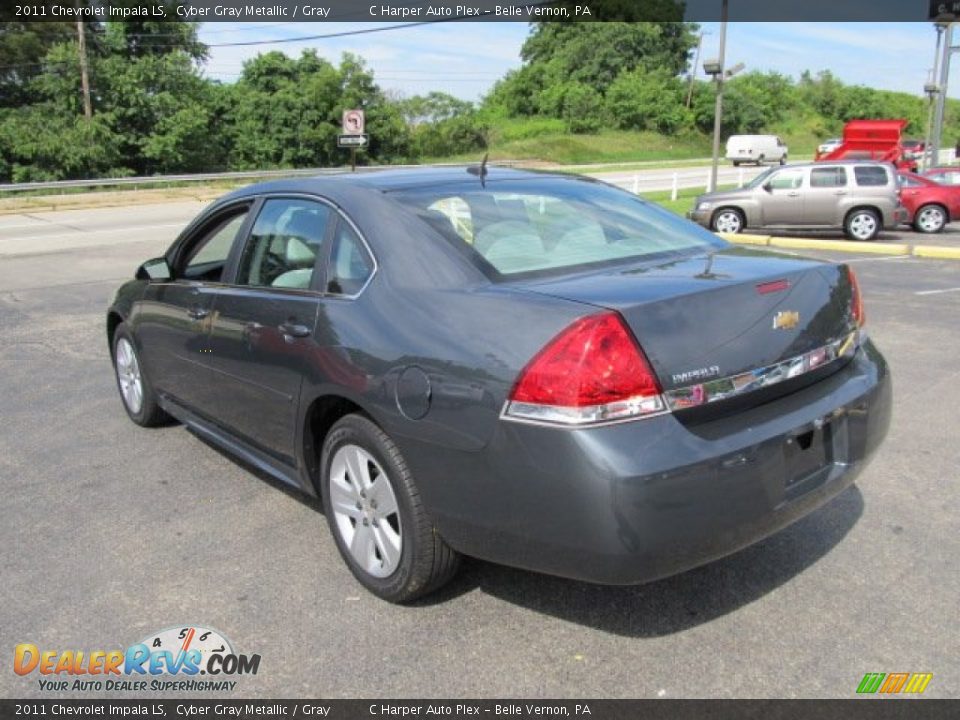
(538, 370)
(828, 146)
(930, 205)
(858, 197)
(943, 175)
(756, 149)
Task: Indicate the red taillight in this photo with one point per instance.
(593, 371)
(856, 299)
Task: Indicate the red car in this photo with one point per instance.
(930, 205)
(944, 175)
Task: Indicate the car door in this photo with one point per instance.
(828, 188)
(173, 324)
(263, 323)
(781, 198)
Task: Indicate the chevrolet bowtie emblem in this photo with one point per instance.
(786, 320)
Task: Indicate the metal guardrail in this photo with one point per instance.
(208, 177)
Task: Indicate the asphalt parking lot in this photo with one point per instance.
(111, 532)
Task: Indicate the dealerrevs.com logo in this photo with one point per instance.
(170, 660)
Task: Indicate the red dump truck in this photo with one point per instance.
(880, 140)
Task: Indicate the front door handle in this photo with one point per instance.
(294, 330)
(793, 194)
(198, 313)
(840, 192)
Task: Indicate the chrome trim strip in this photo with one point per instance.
(704, 393)
(689, 396)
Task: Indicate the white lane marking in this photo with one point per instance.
(94, 231)
(937, 292)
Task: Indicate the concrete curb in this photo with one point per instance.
(940, 252)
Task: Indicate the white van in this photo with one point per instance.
(756, 149)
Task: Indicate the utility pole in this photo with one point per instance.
(932, 89)
(718, 112)
(84, 79)
(936, 137)
(693, 72)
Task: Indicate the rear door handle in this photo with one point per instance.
(198, 313)
(294, 330)
(793, 194)
(840, 192)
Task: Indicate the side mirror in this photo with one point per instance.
(768, 187)
(155, 269)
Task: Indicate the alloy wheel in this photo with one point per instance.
(728, 221)
(931, 220)
(128, 376)
(366, 511)
(863, 226)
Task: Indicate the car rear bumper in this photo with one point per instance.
(632, 502)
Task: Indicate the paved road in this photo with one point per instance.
(110, 532)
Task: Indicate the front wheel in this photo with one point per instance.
(376, 516)
(783, 160)
(862, 225)
(761, 160)
(728, 221)
(139, 399)
(930, 219)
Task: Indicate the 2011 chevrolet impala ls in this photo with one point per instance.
(537, 370)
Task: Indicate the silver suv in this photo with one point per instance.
(861, 198)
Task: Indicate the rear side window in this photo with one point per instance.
(350, 263)
(871, 176)
(284, 244)
(544, 226)
(828, 177)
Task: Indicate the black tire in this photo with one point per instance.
(864, 217)
(783, 160)
(149, 414)
(762, 159)
(736, 163)
(426, 562)
(930, 219)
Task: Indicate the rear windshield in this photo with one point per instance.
(549, 225)
(868, 176)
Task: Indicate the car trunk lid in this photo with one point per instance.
(727, 314)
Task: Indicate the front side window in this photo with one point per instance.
(284, 244)
(207, 257)
(787, 180)
(828, 177)
(547, 225)
(870, 176)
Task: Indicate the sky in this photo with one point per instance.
(465, 59)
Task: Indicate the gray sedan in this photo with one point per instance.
(536, 370)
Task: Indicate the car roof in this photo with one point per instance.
(387, 180)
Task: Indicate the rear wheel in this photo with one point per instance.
(376, 516)
(736, 163)
(930, 219)
(139, 399)
(762, 159)
(863, 224)
(728, 220)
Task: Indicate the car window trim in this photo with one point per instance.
(342, 216)
(318, 281)
(200, 228)
(237, 252)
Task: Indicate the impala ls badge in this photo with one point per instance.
(786, 320)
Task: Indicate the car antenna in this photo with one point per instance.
(481, 171)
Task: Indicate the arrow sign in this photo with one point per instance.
(352, 141)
